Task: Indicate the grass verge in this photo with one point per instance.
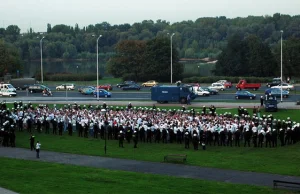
(268, 160)
(41, 177)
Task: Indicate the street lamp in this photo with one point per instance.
(281, 32)
(199, 69)
(171, 57)
(41, 45)
(97, 90)
(103, 112)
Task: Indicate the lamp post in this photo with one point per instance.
(98, 68)
(172, 57)
(281, 32)
(41, 45)
(103, 112)
(199, 69)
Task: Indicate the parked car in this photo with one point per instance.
(6, 92)
(8, 87)
(277, 92)
(65, 86)
(37, 88)
(244, 95)
(226, 83)
(84, 87)
(87, 91)
(150, 83)
(194, 84)
(105, 87)
(211, 91)
(102, 93)
(131, 87)
(284, 86)
(200, 92)
(244, 85)
(125, 83)
(217, 86)
(275, 82)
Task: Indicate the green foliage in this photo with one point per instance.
(245, 57)
(9, 59)
(212, 79)
(144, 60)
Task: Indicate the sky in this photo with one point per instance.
(37, 13)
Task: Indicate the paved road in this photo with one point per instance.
(228, 176)
(133, 96)
(5, 191)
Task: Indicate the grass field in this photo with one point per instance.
(41, 177)
(280, 160)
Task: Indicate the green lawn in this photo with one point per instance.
(41, 177)
(270, 160)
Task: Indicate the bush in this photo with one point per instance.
(69, 77)
(213, 79)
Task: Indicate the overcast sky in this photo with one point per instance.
(37, 13)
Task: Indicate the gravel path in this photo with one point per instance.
(178, 170)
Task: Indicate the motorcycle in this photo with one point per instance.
(47, 93)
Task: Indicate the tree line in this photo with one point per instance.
(204, 37)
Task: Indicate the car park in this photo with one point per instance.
(65, 86)
(244, 95)
(149, 83)
(200, 92)
(217, 86)
(102, 93)
(211, 91)
(6, 92)
(87, 91)
(105, 87)
(131, 87)
(284, 86)
(37, 88)
(125, 83)
(277, 92)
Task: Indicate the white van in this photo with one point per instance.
(8, 87)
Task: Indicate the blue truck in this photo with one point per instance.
(172, 93)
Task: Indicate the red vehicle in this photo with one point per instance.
(105, 87)
(194, 84)
(244, 85)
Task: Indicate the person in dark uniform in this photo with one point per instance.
(20, 123)
(38, 125)
(29, 124)
(216, 135)
(70, 128)
(80, 131)
(121, 139)
(260, 138)
(109, 132)
(128, 133)
(95, 129)
(179, 136)
(204, 140)
(54, 126)
(60, 128)
(222, 137)
(229, 141)
(129, 106)
(142, 134)
(104, 106)
(237, 136)
(149, 135)
(261, 101)
(254, 136)
(31, 139)
(186, 140)
(164, 135)
(86, 130)
(195, 141)
(268, 138)
(135, 139)
(204, 110)
(157, 135)
(281, 136)
(247, 136)
(274, 137)
(47, 126)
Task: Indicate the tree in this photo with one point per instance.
(9, 59)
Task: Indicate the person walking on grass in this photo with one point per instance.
(37, 148)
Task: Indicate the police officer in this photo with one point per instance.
(70, 128)
(195, 141)
(186, 140)
(135, 139)
(31, 139)
(121, 139)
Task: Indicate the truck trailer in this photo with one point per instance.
(172, 93)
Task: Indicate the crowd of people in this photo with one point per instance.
(148, 125)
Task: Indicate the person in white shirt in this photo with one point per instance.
(37, 148)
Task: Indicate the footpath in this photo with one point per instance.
(177, 170)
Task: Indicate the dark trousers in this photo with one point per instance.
(37, 153)
(31, 147)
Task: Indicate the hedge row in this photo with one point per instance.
(70, 77)
(213, 79)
